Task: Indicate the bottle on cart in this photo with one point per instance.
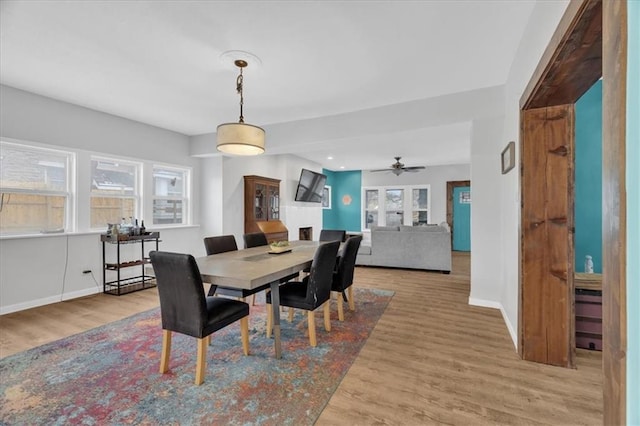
(143, 230)
(136, 228)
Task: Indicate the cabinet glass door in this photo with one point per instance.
(260, 201)
(274, 203)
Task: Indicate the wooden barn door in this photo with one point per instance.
(547, 154)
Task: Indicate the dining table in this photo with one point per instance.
(254, 267)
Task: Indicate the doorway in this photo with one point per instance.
(451, 220)
(461, 234)
(590, 42)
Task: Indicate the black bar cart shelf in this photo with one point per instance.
(121, 285)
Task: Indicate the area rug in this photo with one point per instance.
(109, 375)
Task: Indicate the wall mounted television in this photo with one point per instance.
(310, 186)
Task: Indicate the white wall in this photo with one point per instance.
(211, 190)
(436, 176)
(297, 214)
(486, 220)
(312, 134)
(36, 118)
(42, 269)
(284, 167)
(504, 266)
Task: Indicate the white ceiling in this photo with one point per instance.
(158, 62)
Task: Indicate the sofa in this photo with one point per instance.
(413, 247)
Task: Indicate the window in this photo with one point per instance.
(35, 194)
(394, 207)
(114, 191)
(402, 205)
(420, 207)
(170, 189)
(371, 208)
(38, 191)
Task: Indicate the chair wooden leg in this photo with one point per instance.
(311, 319)
(166, 351)
(201, 360)
(327, 315)
(352, 304)
(290, 314)
(269, 320)
(244, 330)
(253, 299)
(340, 308)
(209, 340)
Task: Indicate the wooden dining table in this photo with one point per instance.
(255, 267)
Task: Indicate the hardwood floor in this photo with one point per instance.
(432, 358)
(26, 329)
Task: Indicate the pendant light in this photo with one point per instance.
(240, 138)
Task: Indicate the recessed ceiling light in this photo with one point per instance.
(329, 158)
(342, 167)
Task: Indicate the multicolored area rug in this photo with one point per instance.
(109, 375)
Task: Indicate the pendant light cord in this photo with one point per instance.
(239, 81)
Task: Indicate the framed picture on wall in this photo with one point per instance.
(326, 197)
(508, 157)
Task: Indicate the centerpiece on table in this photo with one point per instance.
(279, 247)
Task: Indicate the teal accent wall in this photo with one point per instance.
(633, 213)
(588, 178)
(341, 216)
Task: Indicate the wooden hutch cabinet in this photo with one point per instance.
(262, 204)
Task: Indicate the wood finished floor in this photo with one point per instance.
(432, 358)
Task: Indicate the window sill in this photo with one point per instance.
(81, 233)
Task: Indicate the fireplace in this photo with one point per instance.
(305, 233)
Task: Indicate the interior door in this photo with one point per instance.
(274, 202)
(462, 218)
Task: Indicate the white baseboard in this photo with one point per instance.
(497, 305)
(48, 300)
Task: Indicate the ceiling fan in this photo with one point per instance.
(398, 168)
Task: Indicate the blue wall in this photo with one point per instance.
(343, 216)
(633, 213)
(588, 178)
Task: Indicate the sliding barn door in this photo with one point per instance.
(546, 297)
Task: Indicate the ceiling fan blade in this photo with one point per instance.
(398, 168)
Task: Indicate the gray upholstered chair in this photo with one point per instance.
(185, 309)
(343, 275)
(312, 292)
